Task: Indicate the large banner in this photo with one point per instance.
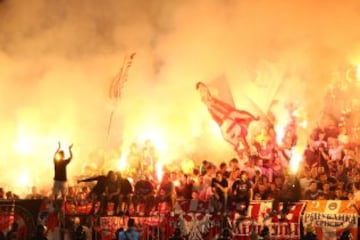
(22, 212)
(195, 220)
(330, 218)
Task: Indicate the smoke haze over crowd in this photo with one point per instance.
(57, 59)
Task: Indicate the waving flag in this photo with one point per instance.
(117, 84)
(233, 123)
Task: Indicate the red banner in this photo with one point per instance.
(195, 221)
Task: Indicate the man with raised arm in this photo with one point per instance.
(60, 177)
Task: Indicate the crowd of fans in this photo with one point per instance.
(329, 169)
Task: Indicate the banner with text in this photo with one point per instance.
(330, 218)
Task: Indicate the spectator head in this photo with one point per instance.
(219, 176)
(234, 162)
(14, 226)
(131, 223)
(313, 186)
(60, 155)
(40, 230)
(244, 175)
(223, 166)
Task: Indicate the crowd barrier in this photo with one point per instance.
(196, 220)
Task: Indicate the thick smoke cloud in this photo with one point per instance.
(57, 59)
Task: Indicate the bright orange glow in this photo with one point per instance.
(296, 159)
(176, 183)
(280, 132)
(187, 165)
(304, 124)
(159, 171)
(122, 163)
(24, 179)
(59, 90)
(156, 137)
(23, 145)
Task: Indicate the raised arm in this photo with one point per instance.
(70, 152)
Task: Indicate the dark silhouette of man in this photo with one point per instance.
(60, 178)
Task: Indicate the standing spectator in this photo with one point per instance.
(166, 192)
(130, 233)
(112, 192)
(78, 231)
(143, 194)
(60, 178)
(2, 193)
(126, 192)
(97, 192)
(242, 192)
(219, 187)
(185, 190)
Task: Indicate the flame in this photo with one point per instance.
(159, 171)
(122, 163)
(280, 133)
(296, 158)
(156, 137)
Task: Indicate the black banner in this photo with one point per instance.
(23, 212)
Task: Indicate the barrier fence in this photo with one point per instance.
(196, 220)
